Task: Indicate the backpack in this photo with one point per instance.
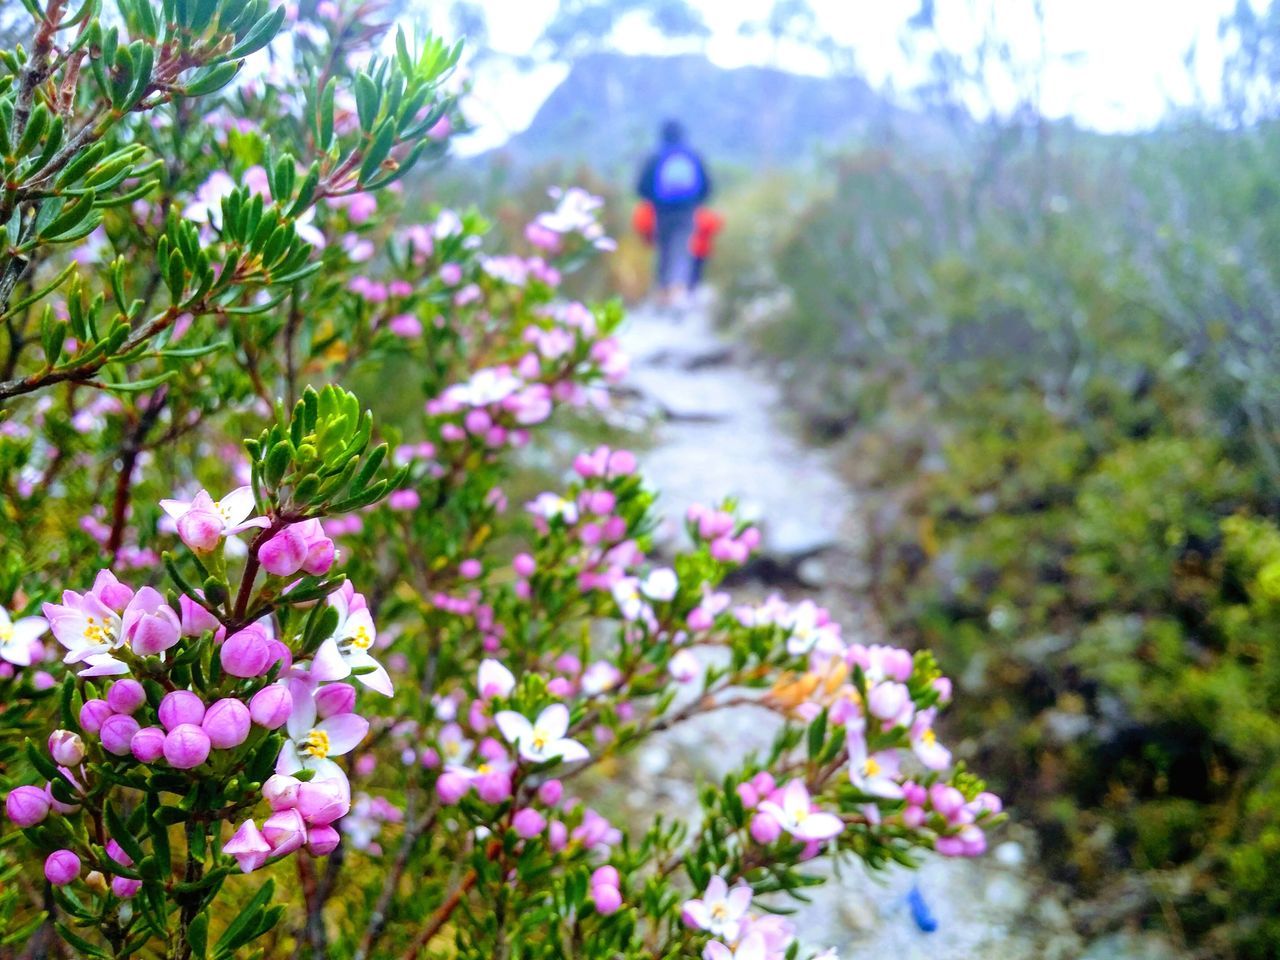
(677, 179)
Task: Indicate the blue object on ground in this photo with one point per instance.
(925, 920)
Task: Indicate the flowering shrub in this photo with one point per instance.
(334, 657)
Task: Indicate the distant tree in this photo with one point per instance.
(580, 27)
(1251, 68)
(793, 22)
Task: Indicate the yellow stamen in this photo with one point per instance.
(317, 744)
(361, 639)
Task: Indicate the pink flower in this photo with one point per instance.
(248, 846)
(247, 653)
(126, 696)
(178, 707)
(873, 774)
(285, 831)
(765, 828)
(117, 733)
(61, 867)
(93, 714)
(226, 723)
(795, 814)
(607, 899)
(270, 707)
(281, 791)
(324, 800)
(90, 630)
(147, 744)
(186, 746)
(495, 680)
(452, 787)
(285, 553)
(203, 522)
(322, 840)
(148, 624)
(66, 748)
(26, 806)
(528, 823)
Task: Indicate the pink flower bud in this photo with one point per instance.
(246, 653)
(606, 876)
(334, 698)
(323, 800)
(147, 744)
(92, 715)
(764, 828)
(322, 841)
(321, 555)
(886, 701)
(494, 786)
(284, 554)
(285, 831)
(126, 696)
(248, 846)
(117, 733)
(195, 619)
(26, 806)
(201, 530)
(281, 791)
(550, 792)
(947, 800)
(528, 823)
(226, 723)
(747, 794)
(913, 817)
(943, 687)
(66, 748)
(607, 899)
(622, 463)
(949, 846)
(186, 746)
(524, 565)
(559, 687)
(470, 568)
(557, 836)
(270, 707)
(61, 867)
(452, 787)
(178, 707)
(124, 888)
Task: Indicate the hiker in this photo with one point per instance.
(706, 224)
(675, 181)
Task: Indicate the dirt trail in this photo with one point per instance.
(716, 427)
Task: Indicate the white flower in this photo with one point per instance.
(599, 678)
(347, 651)
(544, 739)
(684, 667)
(550, 505)
(626, 593)
(661, 584)
(17, 638)
(720, 911)
(311, 744)
(873, 774)
(796, 815)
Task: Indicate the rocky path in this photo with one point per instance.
(714, 426)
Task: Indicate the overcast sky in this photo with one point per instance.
(1114, 64)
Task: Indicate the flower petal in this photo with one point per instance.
(345, 731)
(553, 722)
(329, 664)
(569, 751)
(514, 727)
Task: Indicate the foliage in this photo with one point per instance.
(338, 705)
